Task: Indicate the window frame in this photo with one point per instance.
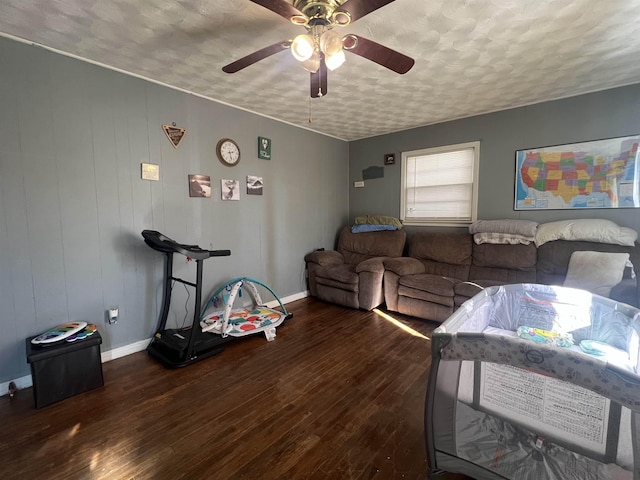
(431, 221)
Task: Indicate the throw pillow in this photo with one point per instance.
(586, 229)
(597, 272)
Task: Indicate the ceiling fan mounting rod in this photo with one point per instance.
(320, 10)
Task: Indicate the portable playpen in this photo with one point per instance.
(533, 382)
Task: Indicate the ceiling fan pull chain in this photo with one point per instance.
(310, 110)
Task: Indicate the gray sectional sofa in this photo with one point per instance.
(440, 271)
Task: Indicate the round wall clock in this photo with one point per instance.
(228, 152)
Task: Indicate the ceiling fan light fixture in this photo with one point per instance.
(299, 20)
(330, 42)
(341, 18)
(349, 42)
(335, 60)
(312, 64)
(302, 47)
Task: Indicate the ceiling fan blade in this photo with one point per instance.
(281, 7)
(319, 80)
(359, 8)
(256, 56)
(377, 53)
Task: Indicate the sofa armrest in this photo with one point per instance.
(324, 257)
(404, 266)
(374, 265)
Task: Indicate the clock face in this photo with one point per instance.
(228, 152)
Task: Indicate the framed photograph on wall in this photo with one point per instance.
(230, 189)
(264, 148)
(254, 185)
(200, 186)
(150, 171)
(389, 158)
(592, 174)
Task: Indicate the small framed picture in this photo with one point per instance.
(150, 172)
(230, 189)
(389, 158)
(200, 186)
(264, 148)
(254, 185)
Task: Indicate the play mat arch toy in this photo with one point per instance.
(242, 321)
(178, 347)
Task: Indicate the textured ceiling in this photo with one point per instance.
(472, 56)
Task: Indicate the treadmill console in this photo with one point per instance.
(164, 244)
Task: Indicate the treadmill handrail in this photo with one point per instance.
(164, 244)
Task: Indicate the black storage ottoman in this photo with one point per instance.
(63, 369)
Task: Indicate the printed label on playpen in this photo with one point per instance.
(546, 405)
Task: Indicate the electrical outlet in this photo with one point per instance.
(112, 315)
(358, 184)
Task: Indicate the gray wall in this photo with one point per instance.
(599, 115)
(72, 203)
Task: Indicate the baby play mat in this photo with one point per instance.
(243, 321)
(87, 331)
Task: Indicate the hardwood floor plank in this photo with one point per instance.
(339, 394)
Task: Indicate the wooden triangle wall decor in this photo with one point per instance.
(174, 134)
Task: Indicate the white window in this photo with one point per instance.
(440, 185)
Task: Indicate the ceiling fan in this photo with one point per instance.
(322, 48)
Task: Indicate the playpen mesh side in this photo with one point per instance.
(479, 430)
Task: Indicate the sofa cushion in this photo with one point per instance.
(501, 276)
(426, 297)
(327, 282)
(597, 272)
(324, 257)
(433, 284)
(427, 310)
(357, 247)
(514, 257)
(345, 273)
(451, 248)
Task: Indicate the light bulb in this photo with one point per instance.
(302, 47)
(312, 64)
(335, 60)
(330, 42)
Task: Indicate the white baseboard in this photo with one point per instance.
(289, 299)
(135, 347)
(22, 382)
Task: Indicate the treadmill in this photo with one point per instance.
(179, 347)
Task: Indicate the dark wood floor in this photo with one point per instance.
(338, 395)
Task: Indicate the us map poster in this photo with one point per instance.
(596, 174)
